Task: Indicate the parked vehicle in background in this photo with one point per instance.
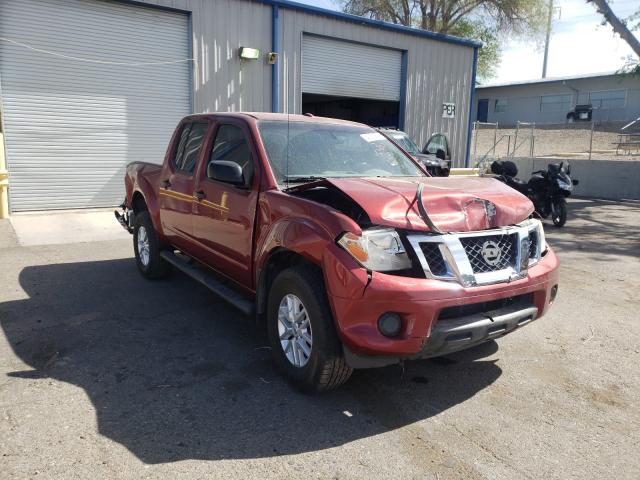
(435, 155)
(581, 113)
(335, 240)
(547, 190)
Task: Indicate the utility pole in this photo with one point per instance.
(546, 42)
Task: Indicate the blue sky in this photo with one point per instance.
(579, 44)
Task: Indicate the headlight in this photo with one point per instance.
(378, 249)
(565, 185)
(541, 238)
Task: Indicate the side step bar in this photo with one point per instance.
(216, 286)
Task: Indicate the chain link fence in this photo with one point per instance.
(580, 140)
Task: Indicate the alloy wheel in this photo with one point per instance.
(294, 330)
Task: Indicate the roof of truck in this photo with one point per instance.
(282, 117)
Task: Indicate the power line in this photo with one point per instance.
(89, 60)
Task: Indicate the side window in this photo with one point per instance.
(189, 146)
(231, 145)
(437, 142)
(184, 135)
(192, 147)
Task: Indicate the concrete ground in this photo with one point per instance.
(106, 375)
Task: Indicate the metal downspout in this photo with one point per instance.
(471, 100)
(275, 68)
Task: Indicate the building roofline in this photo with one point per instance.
(550, 80)
(374, 23)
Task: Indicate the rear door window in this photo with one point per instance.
(189, 146)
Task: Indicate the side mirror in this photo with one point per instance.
(225, 171)
(440, 153)
(575, 182)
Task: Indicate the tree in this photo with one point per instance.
(486, 20)
(624, 28)
(619, 26)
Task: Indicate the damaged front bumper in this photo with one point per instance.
(438, 317)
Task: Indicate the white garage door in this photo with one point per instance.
(346, 69)
(72, 124)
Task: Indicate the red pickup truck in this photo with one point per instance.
(337, 241)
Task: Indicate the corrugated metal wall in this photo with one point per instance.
(222, 82)
(437, 72)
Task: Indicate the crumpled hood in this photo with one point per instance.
(454, 204)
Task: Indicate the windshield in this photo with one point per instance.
(320, 150)
(405, 142)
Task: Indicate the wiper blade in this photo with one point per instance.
(301, 179)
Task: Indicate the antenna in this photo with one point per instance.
(286, 175)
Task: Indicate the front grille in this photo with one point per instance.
(490, 253)
(434, 258)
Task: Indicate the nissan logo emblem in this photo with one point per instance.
(491, 253)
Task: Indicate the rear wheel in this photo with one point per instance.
(302, 335)
(559, 211)
(146, 246)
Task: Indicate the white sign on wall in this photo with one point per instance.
(448, 110)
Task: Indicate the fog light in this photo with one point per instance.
(553, 293)
(390, 324)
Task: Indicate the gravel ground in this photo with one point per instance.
(106, 375)
(571, 140)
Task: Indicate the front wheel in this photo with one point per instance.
(301, 331)
(559, 211)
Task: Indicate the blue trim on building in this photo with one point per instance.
(192, 64)
(471, 100)
(275, 68)
(403, 90)
(370, 22)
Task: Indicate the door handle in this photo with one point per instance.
(165, 183)
(200, 195)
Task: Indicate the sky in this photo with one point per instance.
(579, 44)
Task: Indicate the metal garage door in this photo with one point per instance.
(72, 124)
(346, 69)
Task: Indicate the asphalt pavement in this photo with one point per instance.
(104, 374)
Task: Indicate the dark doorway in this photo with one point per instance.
(377, 113)
(483, 110)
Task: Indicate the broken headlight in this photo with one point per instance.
(377, 249)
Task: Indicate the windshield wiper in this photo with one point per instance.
(301, 179)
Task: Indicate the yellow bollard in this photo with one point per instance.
(4, 182)
(464, 171)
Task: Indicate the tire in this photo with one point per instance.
(324, 368)
(559, 211)
(148, 259)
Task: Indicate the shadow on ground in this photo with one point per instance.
(599, 228)
(175, 374)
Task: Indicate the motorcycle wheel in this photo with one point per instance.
(559, 211)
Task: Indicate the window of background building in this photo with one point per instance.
(500, 105)
(555, 103)
(608, 99)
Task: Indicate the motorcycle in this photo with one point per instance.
(547, 189)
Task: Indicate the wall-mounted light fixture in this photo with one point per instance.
(248, 53)
(272, 58)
